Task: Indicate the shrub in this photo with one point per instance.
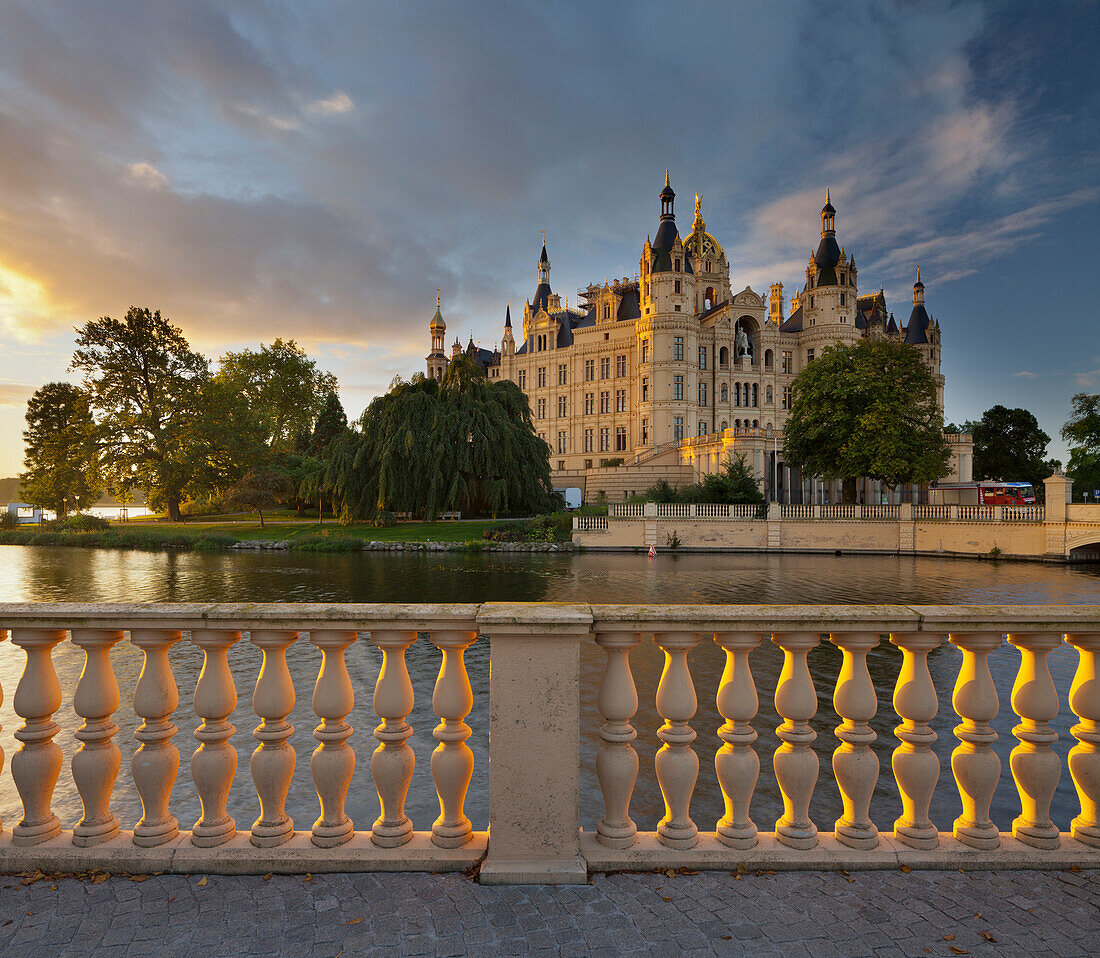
(556, 527)
(79, 522)
(8, 520)
(213, 542)
(321, 543)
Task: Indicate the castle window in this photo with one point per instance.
(842, 303)
(708, 270)
(702, 394)
(605, 439)
(677, 387)
(754, 402)
(676, 286)
(605, 401)
(607, 312)
(620, 438)
(588, 462)
(737, 394)
(562, 374)
(676, 267)
(561, 446)
(605, 367)
(542, 409)
(620, 366)
(788, 361)
(809, 355)
(645, 350)
(678, 427)
(786, 397)
(562, 406)
(589, 442)
(678, 349)
(523, 379)
(589, 404)
(842, 283)
(725, 393)
(542, 375)
(645, 389)
(676, 308)
(811, 302)
(645, 432)
(708, 296)
(768, 359)
(589, 370)
(768, 396)
(702, 427)
(702, 357)
(620, 400)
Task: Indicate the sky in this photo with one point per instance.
(314, 171)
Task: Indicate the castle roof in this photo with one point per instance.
(915, 331)
(793, 323)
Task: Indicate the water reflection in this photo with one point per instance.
(46, 574)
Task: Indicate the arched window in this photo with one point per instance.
(725, 425)
(708, 265)
(723, 357)
(725, 393)
(767, 359)
(768, 396)
(737, 394)
(708, 296)
(737, 424)
(754, 402)
(756, 424)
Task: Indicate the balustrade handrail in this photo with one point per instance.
(534, 807)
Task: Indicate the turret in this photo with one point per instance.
(543, 291)
(671, 277)
(775, 312)
(437, 358)
(916, 332)
(508, 343)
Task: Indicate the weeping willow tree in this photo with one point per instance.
(465, 444)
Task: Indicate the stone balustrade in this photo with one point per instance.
(533, 713)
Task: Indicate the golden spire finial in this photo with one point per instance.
(666, 176)
(918, 274)
(827, 199)
(437, 297)
(698, 198)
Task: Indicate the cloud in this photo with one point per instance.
(147, 175)
(339, 102)
(1025, 374)
(15, 394)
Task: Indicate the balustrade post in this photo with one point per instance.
(795, 762)
(96, 763)
(1084, 757)
(37, 764)
(157, 760)
(974, 763)
(215, 761)
(855, 765)
(333, 761)
(676, 763)
(736, 763)
(1035, 767)
(617, 759)
(393, 761)
(534, 736)
(452, 760)
(274, 759)
(916, 767)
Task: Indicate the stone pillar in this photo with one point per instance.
(534, 727)
(795, 762)
(676, 764)
(274, 759)
(333, 761)
(1084, 757)
(393, 761)
(452, 760)
(617, 759)
(855, 765)
(736, 763)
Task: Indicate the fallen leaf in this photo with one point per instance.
(269, 876)
(726, 937)
(98, 878)
(906, 869)
(1075, 868)
(741, 869)
(948, 937)
(958, 951)
(53, 888)
(979, 915)
(9, 921)
(670, 873)
(987, 936)
(308, 877)
(665, 899)
(201, 882)
(844, 873)
(172, 899)
(139, 878)
(353, 921)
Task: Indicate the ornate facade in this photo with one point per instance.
(675, 353)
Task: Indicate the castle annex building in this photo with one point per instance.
(647, 365)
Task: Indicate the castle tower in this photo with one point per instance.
(829, 297)
(924, 335)
(508, 342)
(709, 263)
(437, 358)
(775, 311)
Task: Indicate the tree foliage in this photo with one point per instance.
(331, 422)
(426, 447)
(281, 386)
(62, 450)
(1009, 445)
(146, 386)
(260, 489)
(734, 483)
(1082, 432)
(867, 410)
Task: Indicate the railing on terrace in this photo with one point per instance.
(590, 523)
(879, 512)
(1023, 513)
(837, 511)
(931, 512)
(976, 513)
(626, 510)
(673, 510)
(533, 717)
(795, 511)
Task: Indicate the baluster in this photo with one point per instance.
(333, 761)
(855, 765)
(617, 760)
(1034, 765)
(3, 636)
(157, 760)
(736, 763)
(974, 763)
(795, 762)
(95, 764)
(393, 761)
(452, 761)
(1084, 757)
(916, 766)
(676, 763)
(37, 764)
(274, 759)
(215, 761)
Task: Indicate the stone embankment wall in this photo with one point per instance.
(282, 545)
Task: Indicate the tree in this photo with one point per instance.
(260, 489)
(282, 387)
(735, 483)
(62, 451)
(427, 447)
(1082, 432)
(1009, 445)
(867, 410)
(331, 422)
(146, 386)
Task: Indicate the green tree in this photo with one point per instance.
(1009, 445)
(282, 386)
(867, 410)
(62, 450)
(146, 386)
(260, 489)
(1082, 432)
(735, 483)
(427, 447)
(331, 422)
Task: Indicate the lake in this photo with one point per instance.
(84, 575)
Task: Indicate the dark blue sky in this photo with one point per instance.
(314, 171)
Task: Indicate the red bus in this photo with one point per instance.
(988, 492)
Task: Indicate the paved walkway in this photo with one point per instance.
(794, 915)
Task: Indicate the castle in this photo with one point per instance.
(673, 368)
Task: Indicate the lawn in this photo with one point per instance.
(463, 530)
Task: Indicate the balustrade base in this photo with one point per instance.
(830, 855)
(569, 871)
(239, 856)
